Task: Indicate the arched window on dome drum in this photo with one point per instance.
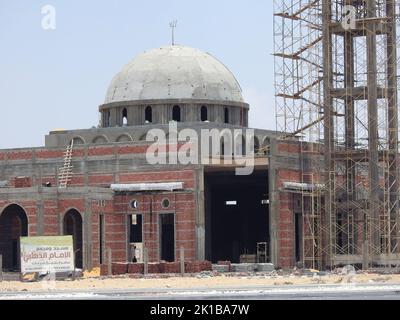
(226, 115)
(204, 113)
(148, 115)
(124, 117)
(176, 113)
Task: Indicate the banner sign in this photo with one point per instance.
(44, 254)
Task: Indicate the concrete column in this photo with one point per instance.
(87, 235)
(393, 116)
(193, 113)
(117, 163)
(85, 166)
(350, 120)
(113, 117)
(200, 216)
(182, 259)
(146, 260)
(273, 207)
(166, 111)
(329, 128)
(39, 218)
(217, 114)
(374, 201)
(109, 261)
(133, 117)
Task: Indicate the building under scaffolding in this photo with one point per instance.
(336, 78)
(324, 189)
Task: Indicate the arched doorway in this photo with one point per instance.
(73, 226)
(13, 225)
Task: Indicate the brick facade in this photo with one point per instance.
(54, 205)
(90, 184)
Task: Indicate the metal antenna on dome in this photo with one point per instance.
(173, 25)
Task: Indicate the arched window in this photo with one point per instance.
(78, 140)
(148, 114)
(265, 147)
(256, 145)
(124, 117)
(226, 115)
(240, 145)
(176, 113)
(204, 113)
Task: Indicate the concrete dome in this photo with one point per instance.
(174, 72)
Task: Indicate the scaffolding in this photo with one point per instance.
(336, 82)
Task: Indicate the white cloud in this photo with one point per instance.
(262, 109)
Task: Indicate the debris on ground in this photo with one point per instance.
(381, 279)
(243, 267)
(95, 272)
(220, 268)
(221, 275)
(29, 277)
(348, 270)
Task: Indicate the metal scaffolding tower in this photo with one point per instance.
(336, 79)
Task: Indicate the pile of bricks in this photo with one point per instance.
(171, 267)
(197, 266)
(154, 267)
(103, 270)
(136, 268)
(22, 182)
(226, 263)
(119, 268)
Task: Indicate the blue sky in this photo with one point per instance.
(57, 79)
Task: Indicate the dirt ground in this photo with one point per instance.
(200, 281)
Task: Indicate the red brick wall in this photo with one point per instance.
(181, 204)
(286, 230)
(185, 176)
(95, 179)
(50, 218)
(115, 237)
(22, 182)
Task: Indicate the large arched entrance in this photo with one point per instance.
(13, 225)
(73, 226)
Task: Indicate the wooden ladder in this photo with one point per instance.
(64, 175)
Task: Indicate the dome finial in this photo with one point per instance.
(173, 25)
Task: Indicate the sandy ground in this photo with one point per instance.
(93, 283)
